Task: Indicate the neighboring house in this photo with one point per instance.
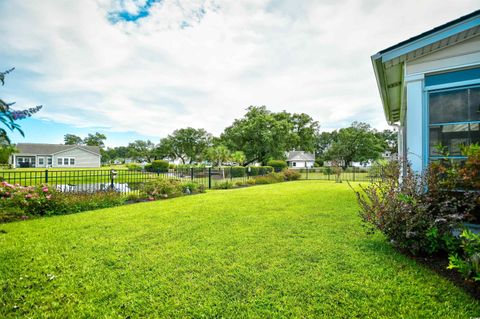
(300, 159)
(430, 89)
(55, 155)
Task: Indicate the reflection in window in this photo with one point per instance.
(454, 120)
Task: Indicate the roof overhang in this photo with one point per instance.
(389, 64)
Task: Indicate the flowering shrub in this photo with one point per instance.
(31, 200)
(164, 188)
(291, 175)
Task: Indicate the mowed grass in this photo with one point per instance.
(293, 249)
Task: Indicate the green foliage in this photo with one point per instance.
(9, 117)
(71, 139)
(270, 178)
(217, 155)
(134, 167)
(278, 165)
(238, 157)
(224, 185)
(291, 174)
(141, 151)
(193, 187)
(262, 134)
(97, 139)
(158, 166)
(357, 143)
(238, 171)
(414, 219)
(259, 170)
(187, 144)
(5, 152)
(468, 263)
(17, 202)
(162, 188)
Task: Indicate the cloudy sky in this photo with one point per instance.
(140, 69)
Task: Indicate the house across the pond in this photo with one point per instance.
(430, 89)
(55, 155)
(300, 159)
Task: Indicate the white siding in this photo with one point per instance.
(82, 158)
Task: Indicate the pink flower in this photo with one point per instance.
(45, 189)
(48, 196)
(151, 198)
(28, 196)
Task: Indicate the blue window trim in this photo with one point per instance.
(426, 118)
(458, 76)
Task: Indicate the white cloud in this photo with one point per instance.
(201, 63)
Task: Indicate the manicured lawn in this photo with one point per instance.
(294, 249)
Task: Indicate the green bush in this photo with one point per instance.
(224, 185)
(278, 165)
(194, 187)
(158, 166)
(172, 166)
(468, 263)
(291, 175)
(240, 183)
(162, 188)
(270, 178)
(251, 182)
(134, 167)
(238, 171)
(259, 170)
(415, 220)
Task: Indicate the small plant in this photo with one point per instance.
(251, 182)
(468, 263)
(270, 178)
(162, 188)
(225, 185)
(291, 175)
(240, 183)
(133, 167)
(192, 187)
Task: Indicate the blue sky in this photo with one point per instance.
(139, 69)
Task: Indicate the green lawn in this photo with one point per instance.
(293, 249)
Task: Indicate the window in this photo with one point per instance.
(41, 161)
(294, 164)
(454, 120)
(66, 161)
(49, 161)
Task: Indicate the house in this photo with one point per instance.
(430, 90)
(300, 159)
(55, 155)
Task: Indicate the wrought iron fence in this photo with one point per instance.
(124, 180)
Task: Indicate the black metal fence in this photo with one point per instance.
(125, 181)
(351, 174)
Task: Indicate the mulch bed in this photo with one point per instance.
(439, 265)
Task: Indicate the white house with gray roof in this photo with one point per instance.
(300, 159)
(56, 155)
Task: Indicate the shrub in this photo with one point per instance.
(259, 170)
(133, 167)
(468, 263)
(412, 218)
(172, 166)
(194, 187)
(158, 166)
(251, 182)
(224, 185)
(162, 188)
(278, 165)
(291, 175)
(78, 202)
(238, 171)
(270, 178)
(240, 183)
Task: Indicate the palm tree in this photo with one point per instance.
(239, 157)
(219, 155)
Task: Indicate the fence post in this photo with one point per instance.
(307, 171)
(46, 176)
(231, 177)
(353, 173)
(191, 173)
(209, 178)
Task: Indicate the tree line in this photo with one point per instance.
(259, 136)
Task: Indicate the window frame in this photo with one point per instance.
(427, 125)
(62, 160)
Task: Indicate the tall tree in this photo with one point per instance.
(141, 150)
(357, 143)
(97, 139)
(389, 140)
(217, 155)
(263, 135)
(9, 116)
(71, 139)
(187, 144)
(259, 135)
